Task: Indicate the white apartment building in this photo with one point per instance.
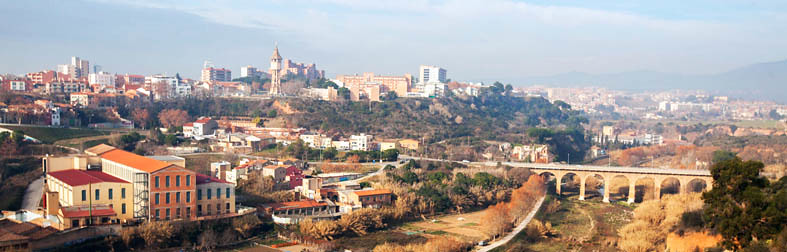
(429, 74)
(360, 142)
(102, 78)
(216, 74)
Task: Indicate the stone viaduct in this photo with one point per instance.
(685, 178)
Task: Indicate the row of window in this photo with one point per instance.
(208, 207)
(209, 193)
(177, 180)
(110, 194)
(177, 197)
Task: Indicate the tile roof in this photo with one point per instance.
(134, 161)
(6, 236)
(204, 179)
(26, 229)
(203, 120)
(372, 192)
(85, 211)
(81, 177)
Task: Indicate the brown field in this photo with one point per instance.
(468, 229)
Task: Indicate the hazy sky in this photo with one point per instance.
(475, 40)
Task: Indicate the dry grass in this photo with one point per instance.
(691, 241)
(461, 225)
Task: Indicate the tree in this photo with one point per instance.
(496, 220)
(140, 116)
(173, 118)
(722, 155)
(390, 154)
(736, 204)
(272, 113)
(344, 93)
(155, 233)
(391, 95)
(330, 153)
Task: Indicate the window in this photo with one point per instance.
(209, 207)
(166, 181)
(157, 182)
(188, 212)
(122, 193)
(157, 213)
(166, 211)
(209, 191)
(218, 193)
(97, 194)
(123, 208)
(177, 213)
(84, 195)
(228, 207)
(157, 198)
(177, 180)
(109, 195)
(166, 198)
(199, 210)
(177, 197)
(228, 192)
(199, 194)
(218, 208)
(188, 197)
(188, 180)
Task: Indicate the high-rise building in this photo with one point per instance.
(385, 84)
(77, 69)
(209, 73)
(432, 74)
(275, 72)
(102, 78)
(248, 71)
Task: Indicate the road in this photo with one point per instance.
(516, 230)
(33, 194)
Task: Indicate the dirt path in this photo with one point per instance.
(592, 228)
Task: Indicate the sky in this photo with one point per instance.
(475, 40)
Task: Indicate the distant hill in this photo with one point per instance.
(758, 81)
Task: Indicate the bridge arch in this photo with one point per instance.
(592, 184)
(549, 177)
(645, 189)
(620, 186)
(696, 185)
(669, 185)
(569, 182)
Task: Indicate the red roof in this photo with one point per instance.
(85, 211)
(80, 177)
(204, 179)
(188, 125)
(203, 120)
(134, 161)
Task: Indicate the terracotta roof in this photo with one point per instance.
(296, 204)
(85, 211)
(6, 236)
(80, 177)
(134, 161)
(26, 229)
(188, 125)
(99, 149)
(204, 179)
(203, 120)
(372, 192)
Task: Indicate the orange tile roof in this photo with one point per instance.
(372, 192)
(135, 161)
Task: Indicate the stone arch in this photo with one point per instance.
(569, 183)
(645, 189)
(696, 185)
(619, 187)
(592, 186)
(669, 185)
(549, 178)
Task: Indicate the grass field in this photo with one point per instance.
(463, 226)
(50, 135)
(201, 162)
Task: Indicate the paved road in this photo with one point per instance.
(516, 230)
(33, 194)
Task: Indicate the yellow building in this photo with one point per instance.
(215, 197)
(409, 144)
(85, 188)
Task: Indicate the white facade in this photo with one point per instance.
(55, 116)
(17, 86)
(431, 74)
(434, 89)
(102, 78)
(360, 142)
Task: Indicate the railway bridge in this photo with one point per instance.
(685, 178)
